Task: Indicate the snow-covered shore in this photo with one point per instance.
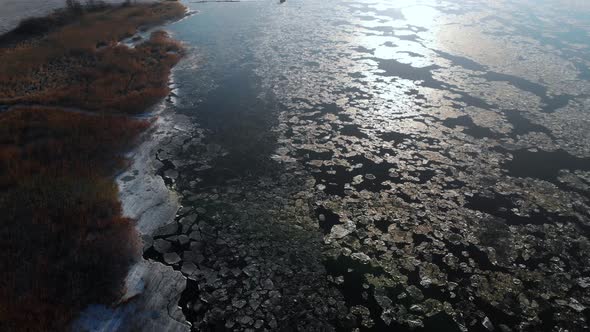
(152, 289)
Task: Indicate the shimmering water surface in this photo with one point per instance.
(383, 165)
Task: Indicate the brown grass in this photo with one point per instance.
(81, 64)
(63, 241)
(50, 142)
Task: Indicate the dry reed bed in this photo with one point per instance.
(82, 65)
(63, 241)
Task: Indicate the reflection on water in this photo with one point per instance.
(404, 165)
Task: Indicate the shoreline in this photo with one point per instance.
(152, 289)
(150, 295)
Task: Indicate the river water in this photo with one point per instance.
(383, 165)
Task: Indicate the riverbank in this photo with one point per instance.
(152, 290)
(14, 11)
(65, 223)
(82, 64)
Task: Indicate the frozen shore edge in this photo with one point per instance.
(150, 302)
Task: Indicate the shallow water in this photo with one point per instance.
(384, 165)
